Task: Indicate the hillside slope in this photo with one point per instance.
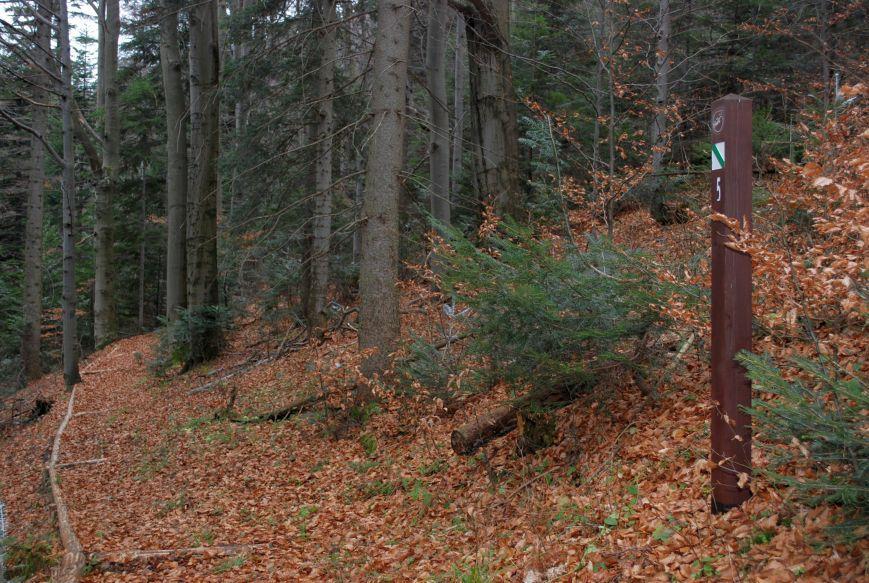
(622, 495)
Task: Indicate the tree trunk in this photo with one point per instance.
(823, 11)
(105, 321)
(239, 53)
(439, 130)
(658, 128)
(595, 139)
(662, 86)
(459, 80)
(176, 166)
(32, 294)
(70, 333)
(378, 274)
(496, 138)
(324, 16)
(143, 224)
(202, 285)
(611, 120)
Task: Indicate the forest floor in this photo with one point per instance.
(622, 495)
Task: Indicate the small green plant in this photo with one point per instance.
(377, 488)
(368, 443)
(546, 318)
(820, 422)
(27, 557)
(178, 502)
(704, 567)
(363, 466)
(360, 414)
(154, 461)
(230, 564)
(662, 533)
(196, 336)
(417, 491)
(432, 468)
(206, 536)
(472, 573)
(305, 512)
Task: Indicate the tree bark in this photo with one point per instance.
(32, 294)
(501, 420)
(202, 285)
(496, 138)
(324, 17)
(662, 86)
(239, 53)
(658, 127)
(439, 129)
(70, 328)
(378, 275)
(176, 166)
(460, 81)
(143, 226)
(105, 320)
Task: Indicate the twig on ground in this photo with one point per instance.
(146, 554)
(94, 461)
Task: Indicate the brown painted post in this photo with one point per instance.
(731, 303)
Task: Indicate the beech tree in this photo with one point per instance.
(176, 164)
(202, 284)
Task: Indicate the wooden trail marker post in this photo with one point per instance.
(731, 303)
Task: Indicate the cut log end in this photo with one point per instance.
(469, 437)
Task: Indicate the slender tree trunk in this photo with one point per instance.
(460, 82)
(143, 224)
(70, 332)
(658, 128)
(101, 52)
(105, 320)
(611, 119)
(662, 87)
(595, 138)
(176, 166)
(496, 137)
(378, 274)
(322, 220)
(32, 294)
(439, 130)
(202, 284)
(823, 10)
(239, 53)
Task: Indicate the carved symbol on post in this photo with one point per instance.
(717, 121)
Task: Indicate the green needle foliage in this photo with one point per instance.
(179, 344)
(543, 319)
(823, 421)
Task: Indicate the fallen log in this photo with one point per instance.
(482, 429)
(503, 419)
(147, 555)
(297, 406)
(73, 560)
